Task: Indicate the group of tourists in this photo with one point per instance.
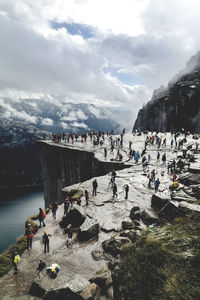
(97, 138)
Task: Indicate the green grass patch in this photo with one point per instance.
(19, 246)
(164, 263)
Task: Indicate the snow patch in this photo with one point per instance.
(47, 121)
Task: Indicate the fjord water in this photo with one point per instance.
(13, 213)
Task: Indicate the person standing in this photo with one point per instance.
(29, 233)
(115, 190)
(156, 184)
(105, 152)
(95, 186)
(86, 197)
(158, 157)
(41, 217)
(45, 239)
(15, 261)
(126, 191)
(54, 209)
(66, 206)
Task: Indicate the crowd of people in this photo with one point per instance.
(153, 141)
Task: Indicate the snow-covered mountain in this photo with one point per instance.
(54, 116)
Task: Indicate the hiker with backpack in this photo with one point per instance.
(15, 260)
(29, 233)
(41, 216)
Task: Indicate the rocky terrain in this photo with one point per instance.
(20, 167)
(110, 234)
(176, 106)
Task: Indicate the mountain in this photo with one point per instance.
(53, 116)
(19, 163)
(175, 106)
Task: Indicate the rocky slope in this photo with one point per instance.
(19, 163)
(122, 247)
(176, 106)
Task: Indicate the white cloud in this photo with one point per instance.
(143, 42)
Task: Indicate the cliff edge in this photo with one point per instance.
(176, 106)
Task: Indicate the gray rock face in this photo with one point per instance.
(75, 217)
(20, 166)
(157, 202)
(170, 211)
(73, 166)
(87, 233)
(147, 219)
(114, 246)
(190, 179)
(176, 106)
(135, 213)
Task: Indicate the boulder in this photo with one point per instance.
(170, 211)
(130, 234)
(195, 191)
(157, 202)
(127, 225)
(103, 280)
(135, 213)
(181, 196)
(62, 294)
(147, 219)
(87, 233)
(114, 245)
(76, 217)
(36, 289)
(90, 292)
(190, 179)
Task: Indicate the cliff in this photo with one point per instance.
(176, 106)
(19, 163)
(65, 165)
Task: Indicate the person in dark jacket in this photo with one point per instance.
(41, 265)
(45, 239)
(126, 187)
(41, 217)
(95, 186)
(115, 190)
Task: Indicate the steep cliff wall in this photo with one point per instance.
(177, 106)
(19, 163)
(63, 166)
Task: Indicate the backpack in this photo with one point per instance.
(17, 259)
(44, 214)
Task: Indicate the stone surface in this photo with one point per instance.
(114, 246)
(157, 201)
(90, 292)
(86, 233)
(147, 219)
(176, 106)
(88, 258)
(170, 211)
(75, 217)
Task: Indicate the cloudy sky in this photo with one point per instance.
(107, 52)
